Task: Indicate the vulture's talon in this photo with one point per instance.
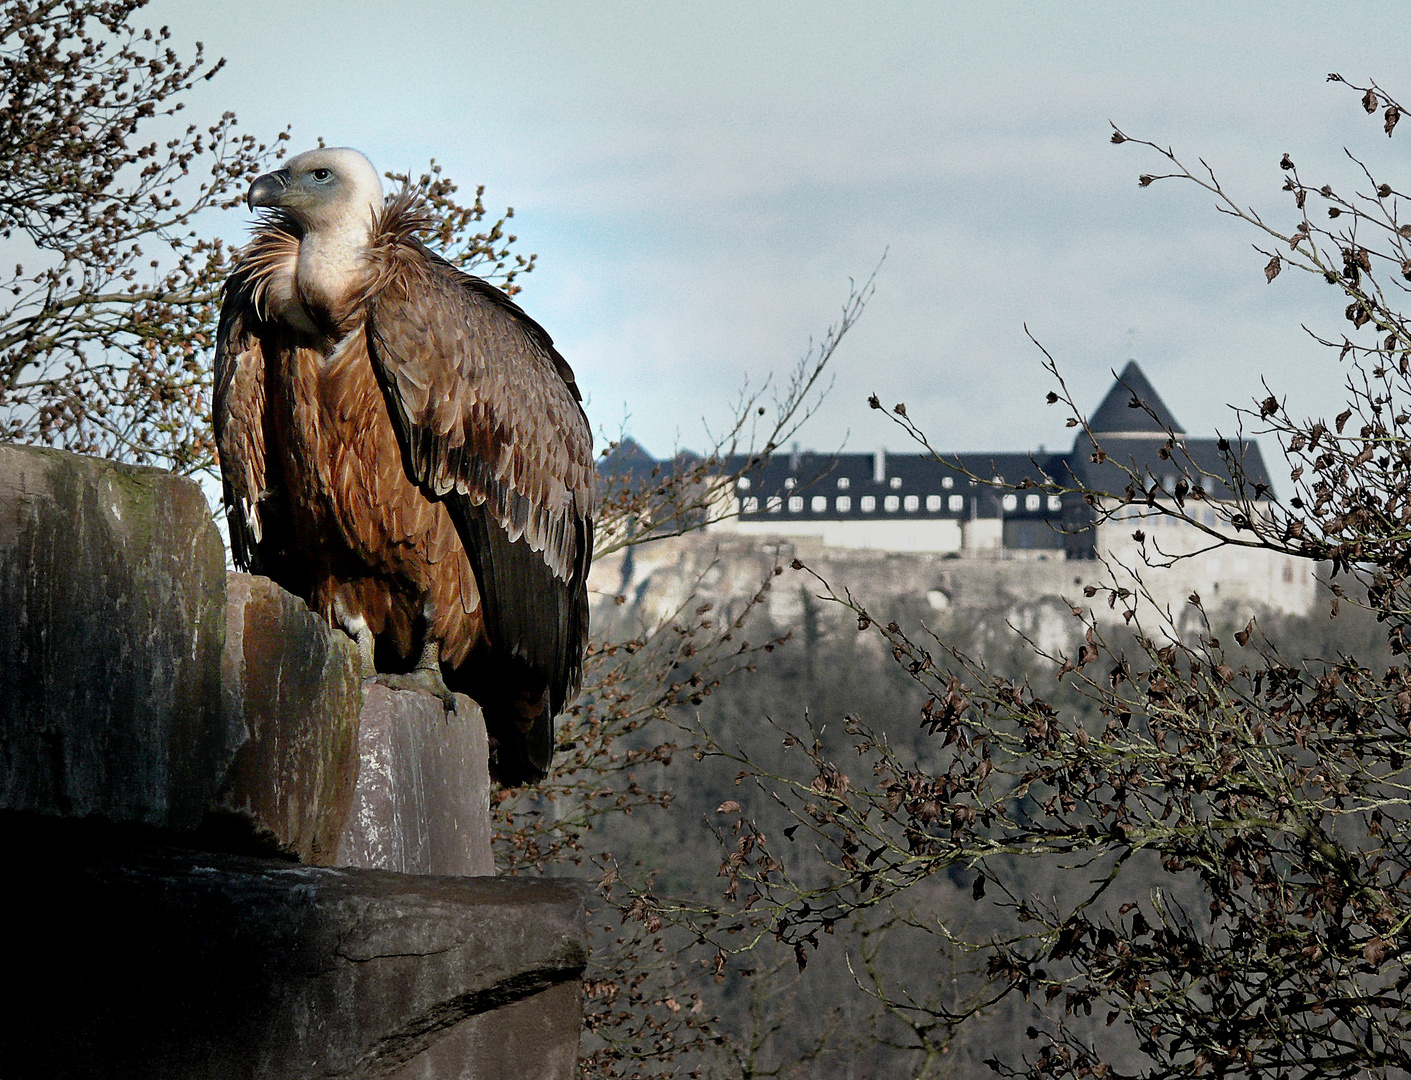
(427, 680)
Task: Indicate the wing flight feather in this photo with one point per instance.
(238, 413)
(490, 421)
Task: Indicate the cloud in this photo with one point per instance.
(701, 183)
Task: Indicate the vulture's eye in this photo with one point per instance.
(322, 176)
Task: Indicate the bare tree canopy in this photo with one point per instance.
(108, 316)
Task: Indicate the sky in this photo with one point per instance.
(702, 182)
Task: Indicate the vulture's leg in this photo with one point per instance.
(366, 640)
(356, 627)
(425, 676)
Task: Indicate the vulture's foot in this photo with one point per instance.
(426, 676)
(428, 680)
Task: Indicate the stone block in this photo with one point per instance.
(131, 690)
(112, 608)
(422, 803)
(293, 687)
(535, 1038)
(182, 965)
(337, 772)
(137, 686)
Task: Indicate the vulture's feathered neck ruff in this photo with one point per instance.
(309, 256)
(314, 285)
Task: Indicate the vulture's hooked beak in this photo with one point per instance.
(267, 190)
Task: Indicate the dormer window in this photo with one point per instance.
(947, 481)
(895, 482)
(743, 483)
(844, 483)
(790, 484)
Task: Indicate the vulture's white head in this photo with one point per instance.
(329, 190)
(334, 196)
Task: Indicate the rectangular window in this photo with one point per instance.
(1055, 504)
(1011, 502)
(890, 504)
(818, 503)
(750, 506)
(911, 503)
(795, 504)
(957, 503)
(933, 503)
(775, 504)
(867, 504)
(844, 504)
(1032, 502)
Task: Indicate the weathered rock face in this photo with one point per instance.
(336, 772)
(136, 686)
(294, 688)
(181, 964)
(535, 1038)
(139, 710)
(112, 609)
(422, 804)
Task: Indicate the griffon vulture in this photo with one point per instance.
(404, 448)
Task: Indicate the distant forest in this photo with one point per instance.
(825, 1021)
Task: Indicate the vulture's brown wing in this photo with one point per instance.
(239, 413)
(490, 422)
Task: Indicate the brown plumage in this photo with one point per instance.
(403, 447)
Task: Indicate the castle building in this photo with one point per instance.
(992, 505)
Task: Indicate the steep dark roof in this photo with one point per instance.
(1118, 414)
(942, 488)
(1199, 461)
(628, 463)
(804, 485)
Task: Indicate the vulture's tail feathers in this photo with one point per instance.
(521, 747)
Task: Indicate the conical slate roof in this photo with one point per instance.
(1115, 416)
(628, 460)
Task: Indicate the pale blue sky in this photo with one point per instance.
(701, 180)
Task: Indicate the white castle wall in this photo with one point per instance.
(930, 535)
(1222, 575)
